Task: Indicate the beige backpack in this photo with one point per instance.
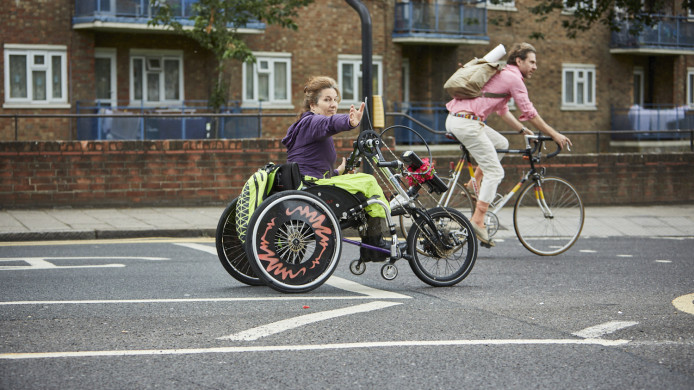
(467, 82)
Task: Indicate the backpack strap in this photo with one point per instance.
(494, 95)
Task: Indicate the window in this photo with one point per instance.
(690, 87)
(349, 77)
(578, 84)
(586, 4)
(156, 78)
(638, 86)
(268, 80)
(105, 76)
(35, 75)
(501, 5)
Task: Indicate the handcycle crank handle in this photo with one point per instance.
(388, 164)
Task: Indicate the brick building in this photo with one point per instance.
(100, 56)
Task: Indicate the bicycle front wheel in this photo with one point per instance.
(548, 216)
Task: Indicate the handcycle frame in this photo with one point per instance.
(428, 241)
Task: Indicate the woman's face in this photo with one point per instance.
(327, 102)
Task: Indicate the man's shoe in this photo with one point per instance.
(482, 235)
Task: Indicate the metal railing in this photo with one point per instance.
(449, 20)
(136, 11)
(670, 32)
(430, 134)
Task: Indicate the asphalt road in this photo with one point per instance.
(609, 313)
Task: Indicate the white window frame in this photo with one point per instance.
(588, 86)
(271, 58)
(505, 6)
(111, 55)
(638, 71)
(162, 55)
(690, 87)
(355, 61)
(570, 10)
(49, 51)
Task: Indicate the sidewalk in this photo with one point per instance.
(72, 224)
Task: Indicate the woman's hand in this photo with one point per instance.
(341, 168)
(355, 116)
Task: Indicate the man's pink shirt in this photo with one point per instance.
(509, 80)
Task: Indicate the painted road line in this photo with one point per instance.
(312, 347)
(596, 331)
(684, 303)
(44, 263)
(334, 281)
(204, 248)
(147, 240)
(291, 323)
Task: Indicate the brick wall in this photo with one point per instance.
(208, 173)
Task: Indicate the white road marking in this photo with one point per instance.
(204, 248)
(334, 281)
(625, 255)
(587, 251)
(311, 347)
(663, 261)
(44, 263)
(291, 323)
(684, 303)
(596, 331)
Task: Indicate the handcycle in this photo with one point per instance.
(548, 214)
(294, 238)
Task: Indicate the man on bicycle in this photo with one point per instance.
(466, 122)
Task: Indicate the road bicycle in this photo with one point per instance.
(548, 214)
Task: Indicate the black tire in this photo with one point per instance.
(293, 241)
(230, 249)
(554, 230)
(460, 200)
(447, 262)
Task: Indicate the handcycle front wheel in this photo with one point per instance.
(448, 259)
(293, 241)
(461, 200)
(230, 249)
(548, 216)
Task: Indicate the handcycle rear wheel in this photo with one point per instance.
(444, 262)
(554, 230)
(230, 249)
(293, 241)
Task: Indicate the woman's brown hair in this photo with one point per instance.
(314, 86)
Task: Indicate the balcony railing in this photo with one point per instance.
(454, 20)
(134, 11)
(672, 32)
(659, 122)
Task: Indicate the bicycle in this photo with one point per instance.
(548, 215)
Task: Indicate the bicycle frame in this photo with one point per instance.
(497, 205)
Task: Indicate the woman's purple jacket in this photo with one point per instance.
(310, 144)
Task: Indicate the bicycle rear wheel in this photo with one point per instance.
(549, 222)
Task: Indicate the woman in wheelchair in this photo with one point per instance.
(310, 144)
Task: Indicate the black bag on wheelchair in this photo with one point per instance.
(286, 177)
